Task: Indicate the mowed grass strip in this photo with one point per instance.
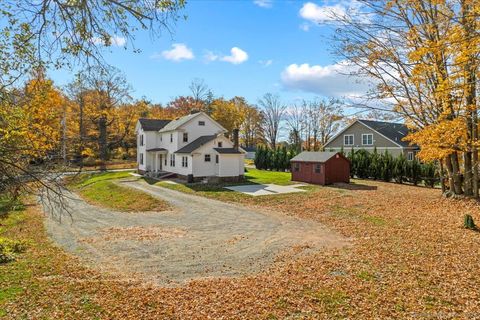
(268, 177)
(103, 190)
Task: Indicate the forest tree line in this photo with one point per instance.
(93, 118)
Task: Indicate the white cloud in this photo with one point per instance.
(210, 56)
(330, 80)
(305, 27)
(236, 56)
(118, 41)
(115, 41)
(322, 14)
(264, 3)
(178, 53)
(266, 63)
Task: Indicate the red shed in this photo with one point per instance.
(320, 168)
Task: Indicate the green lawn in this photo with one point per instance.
(253, 176)
(264, 177)
(101, 189)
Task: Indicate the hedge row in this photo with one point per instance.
(278, 159)
(383, 166)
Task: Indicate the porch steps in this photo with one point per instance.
(167, 175)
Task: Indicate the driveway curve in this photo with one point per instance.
(200, 238)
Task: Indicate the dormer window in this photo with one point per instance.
(185, 137)
(201, 123)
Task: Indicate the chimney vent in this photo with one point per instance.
(235, 139)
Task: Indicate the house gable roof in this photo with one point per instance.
(197, 143)
(177, 123)
(310, 156)
(152, 124)
(228, 151)
(393, 131)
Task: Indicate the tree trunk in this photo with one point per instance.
(467, 176)
(449, 166)
(442, 177)
(457, 177)
(102, 142)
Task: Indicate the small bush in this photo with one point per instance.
(9, 249)
(468, 222)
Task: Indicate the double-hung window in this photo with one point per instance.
(141, 139)
(207, 158)
(317, 168)
(367, 139)
(185, 137)
(216, 158)
(171, 137)
(141, 158)
(172, 160)
(410, 156)
(348, 140)
(184, 162)
(220, 144)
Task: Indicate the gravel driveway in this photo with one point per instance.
(199, 238)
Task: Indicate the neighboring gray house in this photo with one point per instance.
(368, 134)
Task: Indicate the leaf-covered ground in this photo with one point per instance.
(410, 258)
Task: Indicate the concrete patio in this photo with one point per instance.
(266, 189)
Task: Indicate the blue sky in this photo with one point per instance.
(244, 47)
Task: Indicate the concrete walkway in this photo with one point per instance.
(200, 238)
(266, 189)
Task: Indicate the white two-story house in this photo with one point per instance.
(193, 147)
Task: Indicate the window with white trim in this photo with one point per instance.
(367, 139)
(171, 137)
(201, 123)
(348, 140)
(410, 156)
(317, 168)
(184, 162)
(207, 158)
(165, 160)
(185, 137)
(172, 160)
(141, 139)
(217, 158)
(141, 158)
(220, 144)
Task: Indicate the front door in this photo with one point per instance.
(307, 173)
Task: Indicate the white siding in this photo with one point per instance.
(231, 165)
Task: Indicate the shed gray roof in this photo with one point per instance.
(310, 156)
(152, 124)
(393, 131)
(195, 144)
(228, 150)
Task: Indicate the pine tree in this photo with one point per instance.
(399, 168)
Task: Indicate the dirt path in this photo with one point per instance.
(200, 238)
